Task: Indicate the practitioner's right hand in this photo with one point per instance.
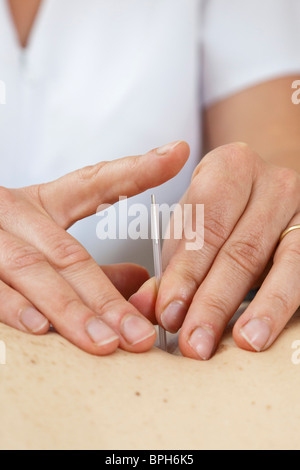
(47, 277)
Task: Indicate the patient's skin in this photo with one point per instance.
(54, 396)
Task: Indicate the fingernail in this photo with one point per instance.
(166, 148)
(135, 329)
(257, 333)
(33, 320)
(173, 316)
(99, 332)
(202, 340)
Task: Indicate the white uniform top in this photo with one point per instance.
(101, 79)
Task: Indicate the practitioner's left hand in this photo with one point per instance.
(248, 203)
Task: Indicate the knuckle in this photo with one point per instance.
(240, 160)
(132, 162)
(67, 253)
(294, 253)
(23, 257)
(282, 299)
(290, 254)
(89, 172)
(186, 272)
(234, 150)
(217, 306)
(245, 254)
(232, 163)
(107, 303)
(215, 229)
(133, 166)
(235, 153)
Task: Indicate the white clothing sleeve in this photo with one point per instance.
(246, 42)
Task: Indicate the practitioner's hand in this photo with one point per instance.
(47, 277)
(248, 203)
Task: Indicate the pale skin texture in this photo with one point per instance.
(251, 194)
(53, 396)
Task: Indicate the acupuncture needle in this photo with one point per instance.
(157, 260)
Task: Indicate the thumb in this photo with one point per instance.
(126, 277)
(145, 299)
(78, 194)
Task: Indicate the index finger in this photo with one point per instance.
(225, 194)
(78, 194)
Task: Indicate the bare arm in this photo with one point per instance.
(264, 117)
